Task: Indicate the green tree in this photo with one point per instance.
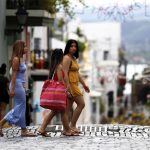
(81, 39)
(79, 32)
(81, 45)
(54, 6)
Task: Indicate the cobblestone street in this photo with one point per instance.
(97, 137)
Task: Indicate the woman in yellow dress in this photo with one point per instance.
(71, 68)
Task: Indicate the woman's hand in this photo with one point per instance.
(67, 87)
(69, 95)
(86, 88)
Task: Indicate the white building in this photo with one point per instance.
(3, 37)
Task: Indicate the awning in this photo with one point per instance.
(35, 18)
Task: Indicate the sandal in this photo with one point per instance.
(43, 134)
(1, 133)
(70, 133)
(28, 134)
(76, 130)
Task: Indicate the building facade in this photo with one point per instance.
(3, 37)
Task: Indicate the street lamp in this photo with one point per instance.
(21, 14)
(15, 24)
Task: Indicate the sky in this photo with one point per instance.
(109, 2)
(118, 10)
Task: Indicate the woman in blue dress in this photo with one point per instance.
(16, 116)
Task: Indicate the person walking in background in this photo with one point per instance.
(56, 70)
(4, 91)
(71, 68)
(16, 116)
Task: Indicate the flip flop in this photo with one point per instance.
(43, 134)
(69, 133)
(28, 134)
(76, 130)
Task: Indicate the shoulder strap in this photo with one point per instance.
(70, 64)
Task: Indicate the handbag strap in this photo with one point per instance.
(50, 65)
(52, 76)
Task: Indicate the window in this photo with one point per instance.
(105, 56)
(37, 43)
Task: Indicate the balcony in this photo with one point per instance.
(29, 4)
(37, 14)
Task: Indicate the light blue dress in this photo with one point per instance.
(16, 116)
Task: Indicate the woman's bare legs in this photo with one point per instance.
(80, 105)
(66, 128)
(2, 122)
(24, 131)
(46, 121)
(2, 109)
(65, 121)
(69, 109)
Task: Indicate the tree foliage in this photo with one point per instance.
(55, 6)
(81, 39)
(81, 45)
(79, 32)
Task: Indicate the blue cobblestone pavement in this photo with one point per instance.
(97, 137)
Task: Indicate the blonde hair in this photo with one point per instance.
(18, 50)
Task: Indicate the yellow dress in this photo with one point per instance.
(74, 79)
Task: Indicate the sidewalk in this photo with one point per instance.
(93, 137)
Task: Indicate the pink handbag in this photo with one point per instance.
(53, 95)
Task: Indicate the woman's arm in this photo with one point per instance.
(86, 88)
(66, 66)
(59, 73)
(15, 67)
